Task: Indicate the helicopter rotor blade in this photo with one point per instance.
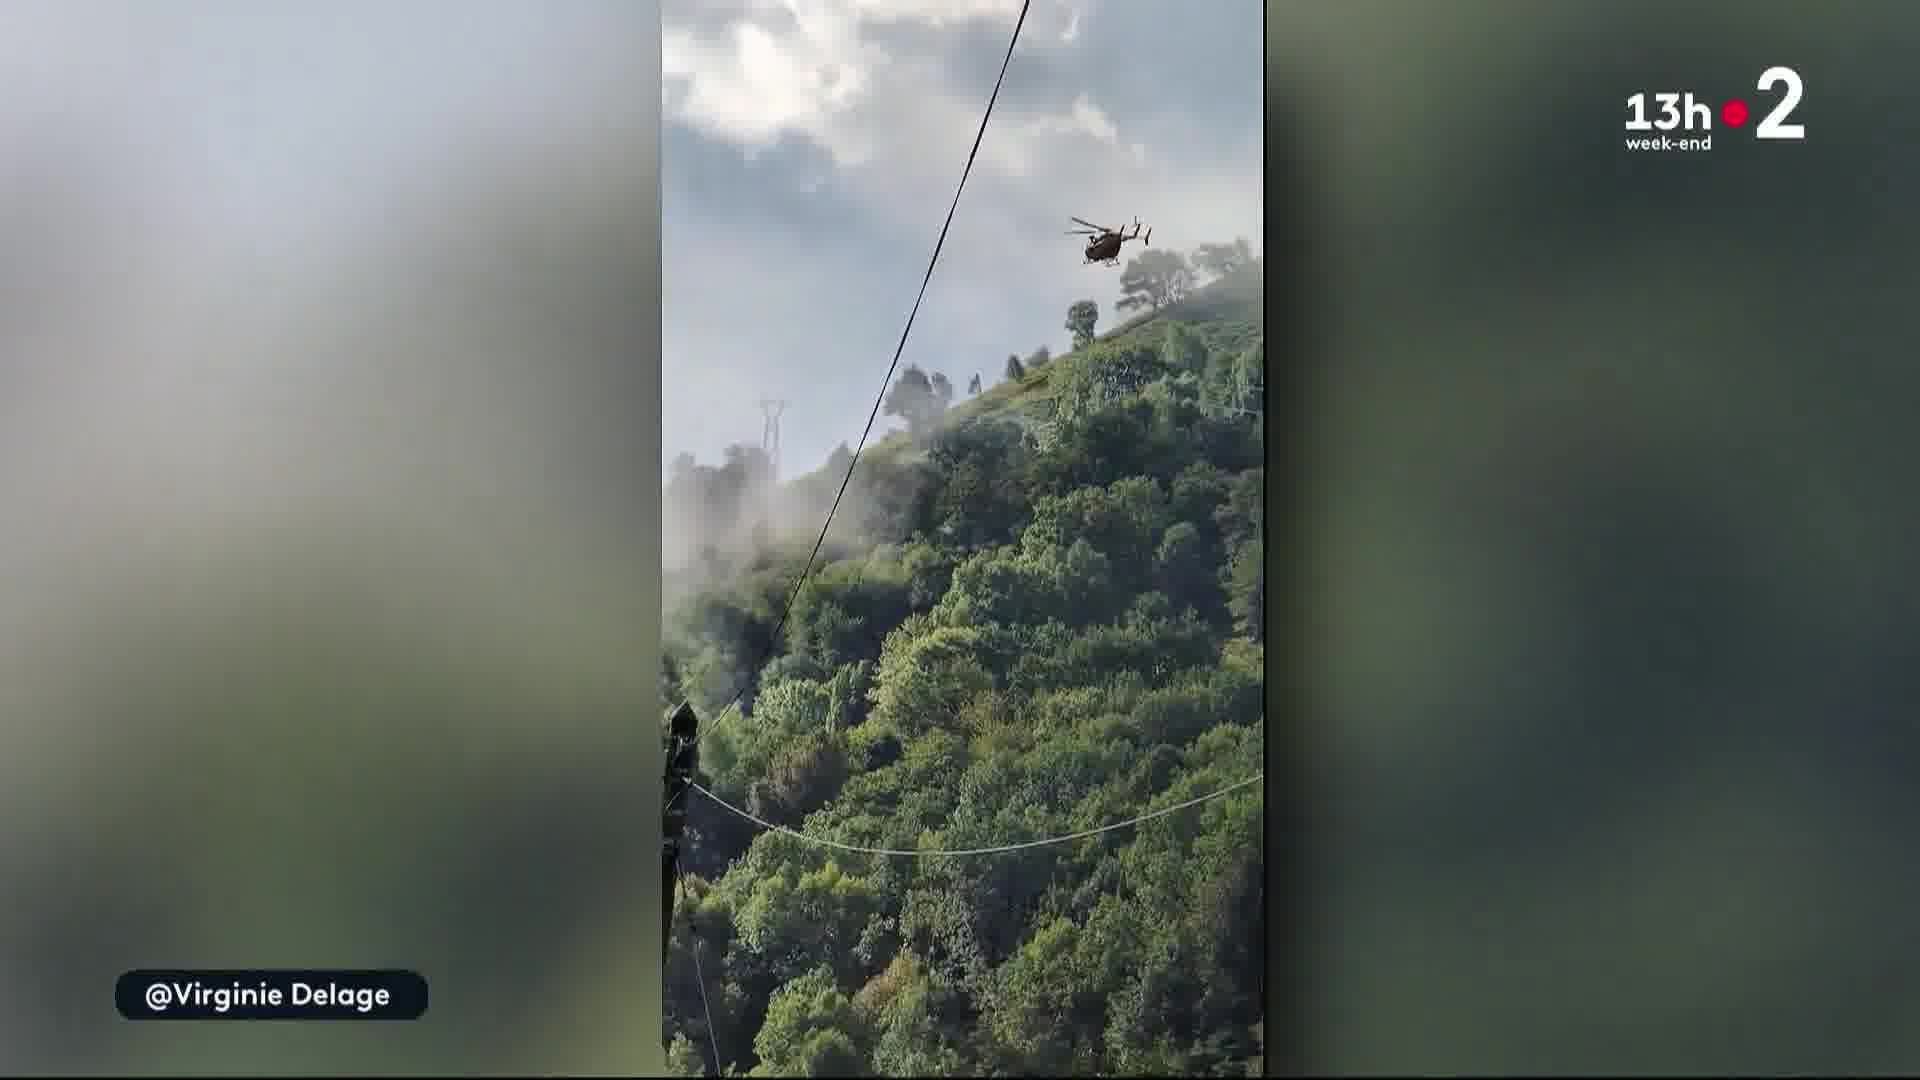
(1088, 224)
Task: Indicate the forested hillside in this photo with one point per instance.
(1040, 611)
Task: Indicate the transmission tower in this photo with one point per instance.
(770, 435)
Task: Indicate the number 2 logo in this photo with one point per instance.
(1775, 125)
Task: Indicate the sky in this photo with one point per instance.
(810, 151)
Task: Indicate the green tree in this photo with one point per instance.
(847, 695)
(1184, 350)
(1196, 495)
(844, 610)
(927, 675)
(1122, 521)
(683, 1058)
(789, 916)
(1246, 587)
(1186, 565)
(975, 504)
(1250, 375)
(927, 571)
(1081, 318)
(1103, 375)
(792, 707)
(1045, 1009)
(918, 399)
(811, 1029)
(1233, 383)
(802, 776)
(1155, 279)
(1242, 512)
(1028, 586)
(914, 1011)
(1015, 370)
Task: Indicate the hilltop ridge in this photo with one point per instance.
(1228, 313)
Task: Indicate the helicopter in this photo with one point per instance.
(1105, 245)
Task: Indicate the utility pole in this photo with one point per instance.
(682, 760)
(770, 435)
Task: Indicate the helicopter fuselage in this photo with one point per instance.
(1104, 248)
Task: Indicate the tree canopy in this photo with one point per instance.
(918, 398)
(1155, 279)
(1029, 631)
(1081, 319)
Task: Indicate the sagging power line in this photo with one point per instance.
(997, 849)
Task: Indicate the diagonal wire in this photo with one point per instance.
(700, 976)
(996, 849)
(874, 415)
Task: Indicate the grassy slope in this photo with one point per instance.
(1228, 314)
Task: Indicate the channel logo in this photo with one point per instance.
(1684, 121)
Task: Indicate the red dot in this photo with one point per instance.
(1734, 112)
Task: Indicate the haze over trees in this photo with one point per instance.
(918, 398)
(1042, 612)
(1155, 279)
(1219, 260)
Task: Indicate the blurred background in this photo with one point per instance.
(1610, 541)
(329, 445)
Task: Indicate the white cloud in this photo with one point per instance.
(932, 12)
(754, 87)
(1067, 130)
(814, 70)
